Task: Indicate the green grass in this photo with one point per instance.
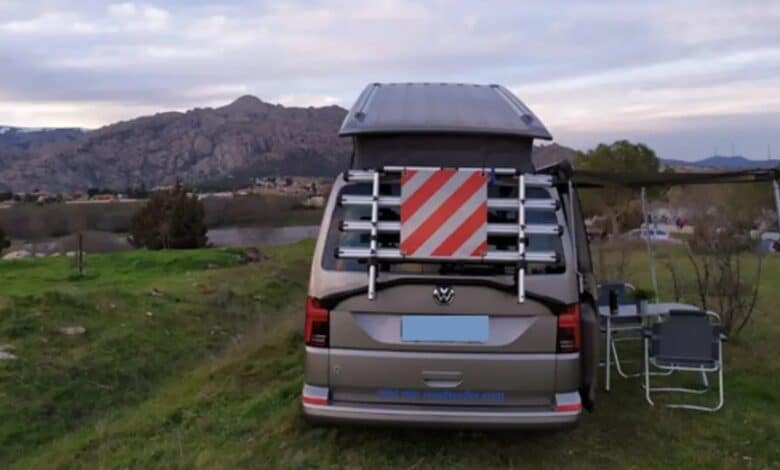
(202, 399)
(149, 318)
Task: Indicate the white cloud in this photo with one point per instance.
(118, 57)
(118, 18)
(87, 114)
(305, 100)
(584, 68)
(122, 10)
(709, 21)
(642, 97)
(53, 24)
(139, 17)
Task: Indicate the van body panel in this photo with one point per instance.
(411, 377)
(316, 369)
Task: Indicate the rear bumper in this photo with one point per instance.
(319, 410)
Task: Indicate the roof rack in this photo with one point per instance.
(519, 257)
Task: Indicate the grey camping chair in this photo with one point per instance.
(687, 340)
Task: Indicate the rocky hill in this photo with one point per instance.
(233, 143)
(733, 163)
(26, 136)
(222, 147)
(549, 154)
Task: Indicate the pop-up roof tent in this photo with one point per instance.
(443, 125)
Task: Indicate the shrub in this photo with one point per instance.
(171, 219)
(721, 258)
(644, 294)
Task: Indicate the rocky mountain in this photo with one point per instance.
(549, 154)
(207, 147)
(27, 136)
(723, 163)
(226, 145)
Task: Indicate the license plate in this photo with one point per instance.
(445, 328)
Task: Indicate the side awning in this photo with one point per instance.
(597, 179)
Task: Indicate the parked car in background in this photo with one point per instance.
(596, 234)
(653, 234)
(770, 242)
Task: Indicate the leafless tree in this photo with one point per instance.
(718, 254)
(675, 275)
(612, 260)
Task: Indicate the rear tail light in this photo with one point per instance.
(569, 329)
(316, 328)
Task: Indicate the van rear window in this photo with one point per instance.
(337, 238)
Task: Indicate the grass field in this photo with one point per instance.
(211, 376)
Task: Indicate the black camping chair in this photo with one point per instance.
(687, 340)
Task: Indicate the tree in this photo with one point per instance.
(615, 202)
(722, 255)
(4, 241)
(137, 192)
(171, 219)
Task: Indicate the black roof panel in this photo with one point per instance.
(441, 107)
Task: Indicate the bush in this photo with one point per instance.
(171, 219)
(720, 255)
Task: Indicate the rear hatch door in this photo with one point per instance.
(481, 348)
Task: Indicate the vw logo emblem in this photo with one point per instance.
(443, 295)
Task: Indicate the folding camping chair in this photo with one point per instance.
(627, 329)
(687, 340)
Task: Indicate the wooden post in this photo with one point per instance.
(81, 254)
(649, 240)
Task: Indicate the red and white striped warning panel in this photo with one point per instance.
(443, 214)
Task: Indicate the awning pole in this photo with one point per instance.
(777, 201)
(648, 240)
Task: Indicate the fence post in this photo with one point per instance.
(648, 238)
(81, 254)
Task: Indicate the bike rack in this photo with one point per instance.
(374, 227)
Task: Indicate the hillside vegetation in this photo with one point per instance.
(212, 378)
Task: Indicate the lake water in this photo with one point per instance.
(106, 242)
(260, 235)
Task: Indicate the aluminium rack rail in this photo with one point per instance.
(374, 226)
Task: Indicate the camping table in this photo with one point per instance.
(630, 311)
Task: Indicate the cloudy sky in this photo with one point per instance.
(687, 78)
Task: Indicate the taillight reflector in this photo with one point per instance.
(314, 400)
(569, 329)
(316, 328)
